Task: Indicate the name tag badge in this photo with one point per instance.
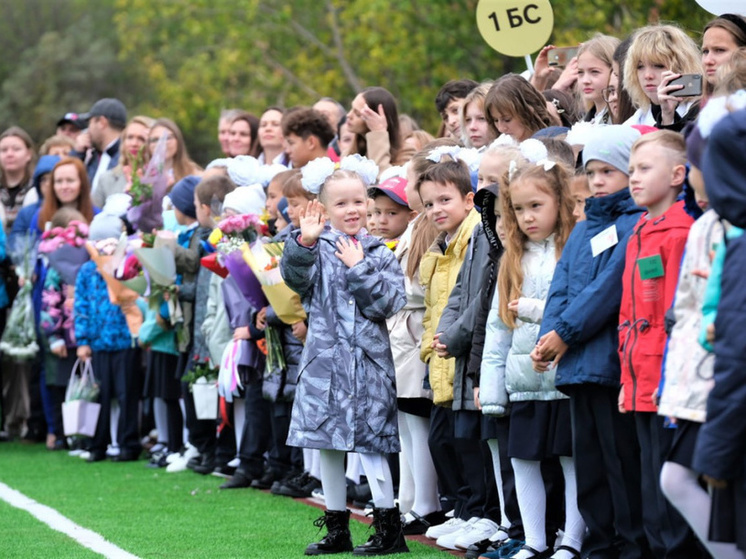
(604, 240)
(650, 267)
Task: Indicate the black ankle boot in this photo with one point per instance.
(388, 537)
(338, 538)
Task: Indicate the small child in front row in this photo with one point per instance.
(350, 283)
(537, 216)
(651, 273)
(103, 336)
(579, 330)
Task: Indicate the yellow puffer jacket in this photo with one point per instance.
(438, 274)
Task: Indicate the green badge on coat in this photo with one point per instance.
(650, 267)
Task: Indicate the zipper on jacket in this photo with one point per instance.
(633, 325)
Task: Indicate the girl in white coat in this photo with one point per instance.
(537, 217)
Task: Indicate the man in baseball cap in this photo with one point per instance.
(70, 125)
(99, 146)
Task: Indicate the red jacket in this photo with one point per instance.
(642, 336)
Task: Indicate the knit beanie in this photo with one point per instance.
(611, 144)
(182, 195)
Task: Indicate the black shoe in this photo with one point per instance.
(299, 487)
(96, 456)
(195, 461)
(338, 538)
(388, 537)
(358, 494)
(267, 480)
(206, 465)
(237, 481)
(475, 550)
(225, 471)
(158, 460)
(124, 456)
(420, 524)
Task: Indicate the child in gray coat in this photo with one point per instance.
(350, 283)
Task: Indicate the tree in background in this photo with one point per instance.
(188, 59)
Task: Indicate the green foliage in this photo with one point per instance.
(188, 59)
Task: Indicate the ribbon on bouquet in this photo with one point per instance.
(228, 379)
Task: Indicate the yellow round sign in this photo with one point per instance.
(515, 27)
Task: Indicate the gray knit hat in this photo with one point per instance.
(611, 144)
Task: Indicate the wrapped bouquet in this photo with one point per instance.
(19, 339)
(264, 260)
(147, 191)
(230, 238)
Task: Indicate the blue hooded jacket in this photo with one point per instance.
(583, 302)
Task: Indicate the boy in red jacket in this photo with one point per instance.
(657, 168)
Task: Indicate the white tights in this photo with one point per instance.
(681, 487)
(335, 488)
(532, 501)
(418, 486)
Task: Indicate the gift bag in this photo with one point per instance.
(79, 411)
(205, 396)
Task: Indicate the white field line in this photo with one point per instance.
(53, 519)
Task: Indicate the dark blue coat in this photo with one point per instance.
(721, 443)
(583, 302)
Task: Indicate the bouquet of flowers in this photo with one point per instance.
(147, 192)
(65, 249)
(159, 267)
(19, 339)
(229, 238)
(108, 256)
(264, 260)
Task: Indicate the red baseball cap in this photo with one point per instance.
(395, 188)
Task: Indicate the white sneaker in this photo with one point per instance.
(112, 450)
(76, 452)
(449, 526)
(501, 535)
(235, 463)
(449, 540)
(85, 455)
(480, 530)
(179, 464)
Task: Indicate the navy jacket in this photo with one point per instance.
(583, 302)
(721, 443)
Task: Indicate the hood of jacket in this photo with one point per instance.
(722, 168)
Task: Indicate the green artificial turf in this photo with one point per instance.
(152, 514)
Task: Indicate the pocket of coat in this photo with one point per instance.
(314, 388)
(380, 398)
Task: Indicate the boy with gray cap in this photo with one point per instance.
(579, 335)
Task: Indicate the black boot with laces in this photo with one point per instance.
(388, 536)
(338, 538)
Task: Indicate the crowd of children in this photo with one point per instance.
(517, 339)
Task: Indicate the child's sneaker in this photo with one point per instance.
(447, 527)
(482, 529)
(448, 541)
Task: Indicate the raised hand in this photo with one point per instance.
(312, 222)
(668, 102)
(375, 120)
